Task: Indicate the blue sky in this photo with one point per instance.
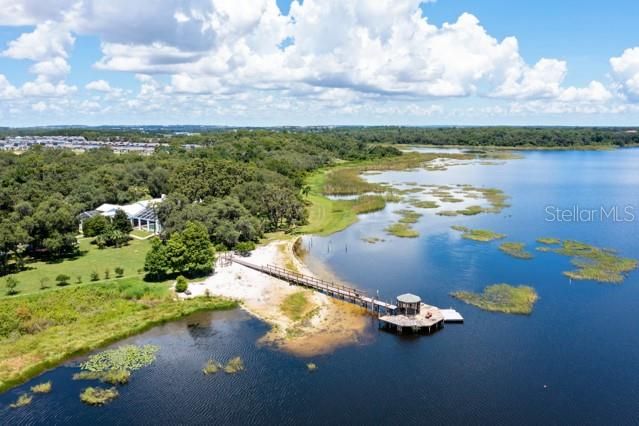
(267, 62)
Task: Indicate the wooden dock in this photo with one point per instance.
(423, 318)
(338, 291)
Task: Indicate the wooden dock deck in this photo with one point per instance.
(428, 319)
(338, 291)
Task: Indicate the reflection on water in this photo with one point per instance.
(572, 361)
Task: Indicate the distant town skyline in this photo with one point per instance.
(330, 62)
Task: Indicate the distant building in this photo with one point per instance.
(142, 214)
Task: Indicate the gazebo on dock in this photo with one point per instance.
(408, 304)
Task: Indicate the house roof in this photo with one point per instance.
(409, 298)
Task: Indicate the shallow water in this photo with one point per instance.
(574, 360)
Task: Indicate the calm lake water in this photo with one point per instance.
(573, 361)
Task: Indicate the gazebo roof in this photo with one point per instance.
(409, 298)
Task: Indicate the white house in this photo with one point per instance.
(142, 214)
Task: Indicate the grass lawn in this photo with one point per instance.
(141, 233)
(296, 306)
(40, 330)
(130, 258)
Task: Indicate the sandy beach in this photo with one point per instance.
(327, 323)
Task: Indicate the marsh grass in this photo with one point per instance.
(549, 240)
(296, 305)
(369, 204)
(373, 240)
(594, 263)
(409, 216)
(98, 396)
(421, 204)
(516, 250)
(123, 359)
(235, 365)
(112, 377)
(402, 230)
(41, 388)
(472, 210)
(211, 367)
(481, 235)
(23, 400)
(347, 181)
(503, 298)
(58, 324)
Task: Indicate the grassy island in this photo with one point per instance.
(402, 230)
(516, 250)
(594, 263)
(481, 235)
(503, 298)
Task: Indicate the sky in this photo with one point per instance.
(319, 62)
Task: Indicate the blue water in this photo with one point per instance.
(573, 361)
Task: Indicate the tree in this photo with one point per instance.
(245, 248)
(155, 263)
(181, 285)
(62, 280)
(96, 225)
(119, 272)
(95, 276)
(44, 283)
(11, 284)
(121, 222)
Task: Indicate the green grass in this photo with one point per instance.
(296, 305)
(516, 250)
(402, 230)
(501, 298)
(41, 330)
(98, 396)
(141, 233)
(481, 235)
(130, 258)
(44, 387)
(594, 263)
(409, 216)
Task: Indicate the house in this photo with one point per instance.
(142, 214)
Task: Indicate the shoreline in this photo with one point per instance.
(325, 324)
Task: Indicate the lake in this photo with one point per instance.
(573, 360)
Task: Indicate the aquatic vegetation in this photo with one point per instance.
(42, 387)
(296, 305)
(369, 204)
(420, 204)
(128, 357)
(211, 367)
(402, 230)
(548, 240)
(98, 396)
(112, 377)
(62, 323)
(472, 210)
(450, 213)
(503, 298)
(482, 235)
(451, 200)
(391, 197)
(23, 400)
(234, 365)
(311, 367)
(516, 250)
(373, 240)
(347, 181)
(409, 216)
(593, 263)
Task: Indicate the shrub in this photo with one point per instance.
(119, 272)
(78, 279)
(95, 276)
(42, 387)
(244, 248)
(107, 274)
(62, 280)
(181, 285)
(11, 285)
(98, 396)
